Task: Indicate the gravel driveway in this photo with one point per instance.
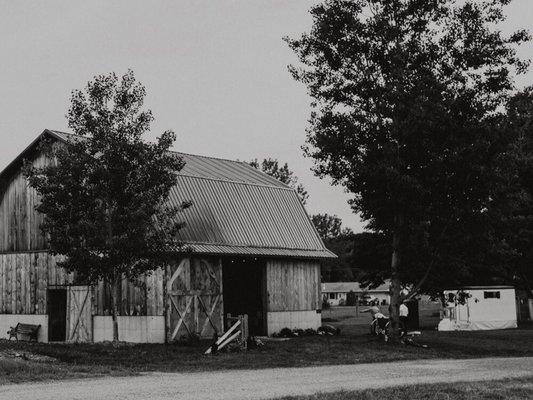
(269, 383)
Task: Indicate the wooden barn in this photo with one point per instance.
(255, 252)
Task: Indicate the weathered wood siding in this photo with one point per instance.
(292, 285)
(19, 222)
(144, 297)
(24, 279)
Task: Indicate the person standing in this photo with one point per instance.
(404, 313)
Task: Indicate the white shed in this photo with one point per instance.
(485, 308)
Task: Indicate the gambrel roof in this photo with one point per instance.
(237, 210)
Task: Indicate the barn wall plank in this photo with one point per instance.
(42, 281)
(32, 298)
(2, 285)
(24, 279)
(19, 221)
(292, 285)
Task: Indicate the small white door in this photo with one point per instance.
(79, 314)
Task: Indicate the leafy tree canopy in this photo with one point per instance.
(511, 253)
(406, 97)
(105, 199)
(329, 226)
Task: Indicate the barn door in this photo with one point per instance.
(194, 299)
(79, 314)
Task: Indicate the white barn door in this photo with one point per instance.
(79, 314)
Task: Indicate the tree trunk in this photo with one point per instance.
(115, 291)
(395, 289)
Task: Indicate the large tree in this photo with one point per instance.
(105, 199)
(282, 173)
(405, 98)
(520, 237)
(512, 209)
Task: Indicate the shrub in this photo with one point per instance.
(286, 332)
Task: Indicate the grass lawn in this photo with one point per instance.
(511, 389)
(354, 345)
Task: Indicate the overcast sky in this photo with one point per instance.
(215, 72)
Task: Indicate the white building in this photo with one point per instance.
(485, 307)
(335, 293)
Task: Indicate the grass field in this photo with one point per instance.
(512, 389)
(354, 345)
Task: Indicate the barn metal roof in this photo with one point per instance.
(217, 168)
(245, 218)
(238, 210)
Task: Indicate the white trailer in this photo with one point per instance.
(484, 308)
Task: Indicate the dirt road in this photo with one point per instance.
(271, 383)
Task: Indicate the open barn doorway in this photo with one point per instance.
(244, 291)
(57, 314)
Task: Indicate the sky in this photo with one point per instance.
(215, 72)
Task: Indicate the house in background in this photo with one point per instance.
(254, 251)
(335, 293)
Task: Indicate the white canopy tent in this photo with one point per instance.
(484, 308)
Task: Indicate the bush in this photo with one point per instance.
(289, 333)
(286, 332)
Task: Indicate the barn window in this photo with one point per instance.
(492, 295)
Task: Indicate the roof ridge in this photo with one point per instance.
(210, 157)
(64, 133)
(170, 151)
(238, 182)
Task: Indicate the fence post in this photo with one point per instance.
(244, 330)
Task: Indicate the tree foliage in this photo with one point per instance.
(105, 199)
(520, 236)
(339, 241)
(512, 209)
(406, 94)
(370, 257)
(328, 226)
(283, 174)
